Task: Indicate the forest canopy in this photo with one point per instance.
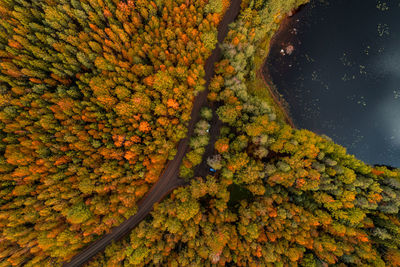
(281, 196)
(95, 96)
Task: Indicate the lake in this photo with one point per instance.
(337, 65)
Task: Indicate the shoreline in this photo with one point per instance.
(263, 71)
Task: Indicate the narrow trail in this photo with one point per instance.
(169, 180)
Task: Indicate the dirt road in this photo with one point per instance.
(169, 179)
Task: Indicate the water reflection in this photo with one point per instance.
(337, 64)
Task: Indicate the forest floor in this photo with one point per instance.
(169, 180)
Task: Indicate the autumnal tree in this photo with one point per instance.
(94, 98)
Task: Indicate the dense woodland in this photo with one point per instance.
(281, 196)
(95, 96)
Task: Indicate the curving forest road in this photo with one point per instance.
(169, 180)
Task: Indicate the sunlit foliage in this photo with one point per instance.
(308, 202)
(95, 96)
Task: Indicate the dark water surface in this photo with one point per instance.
(343, 77)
